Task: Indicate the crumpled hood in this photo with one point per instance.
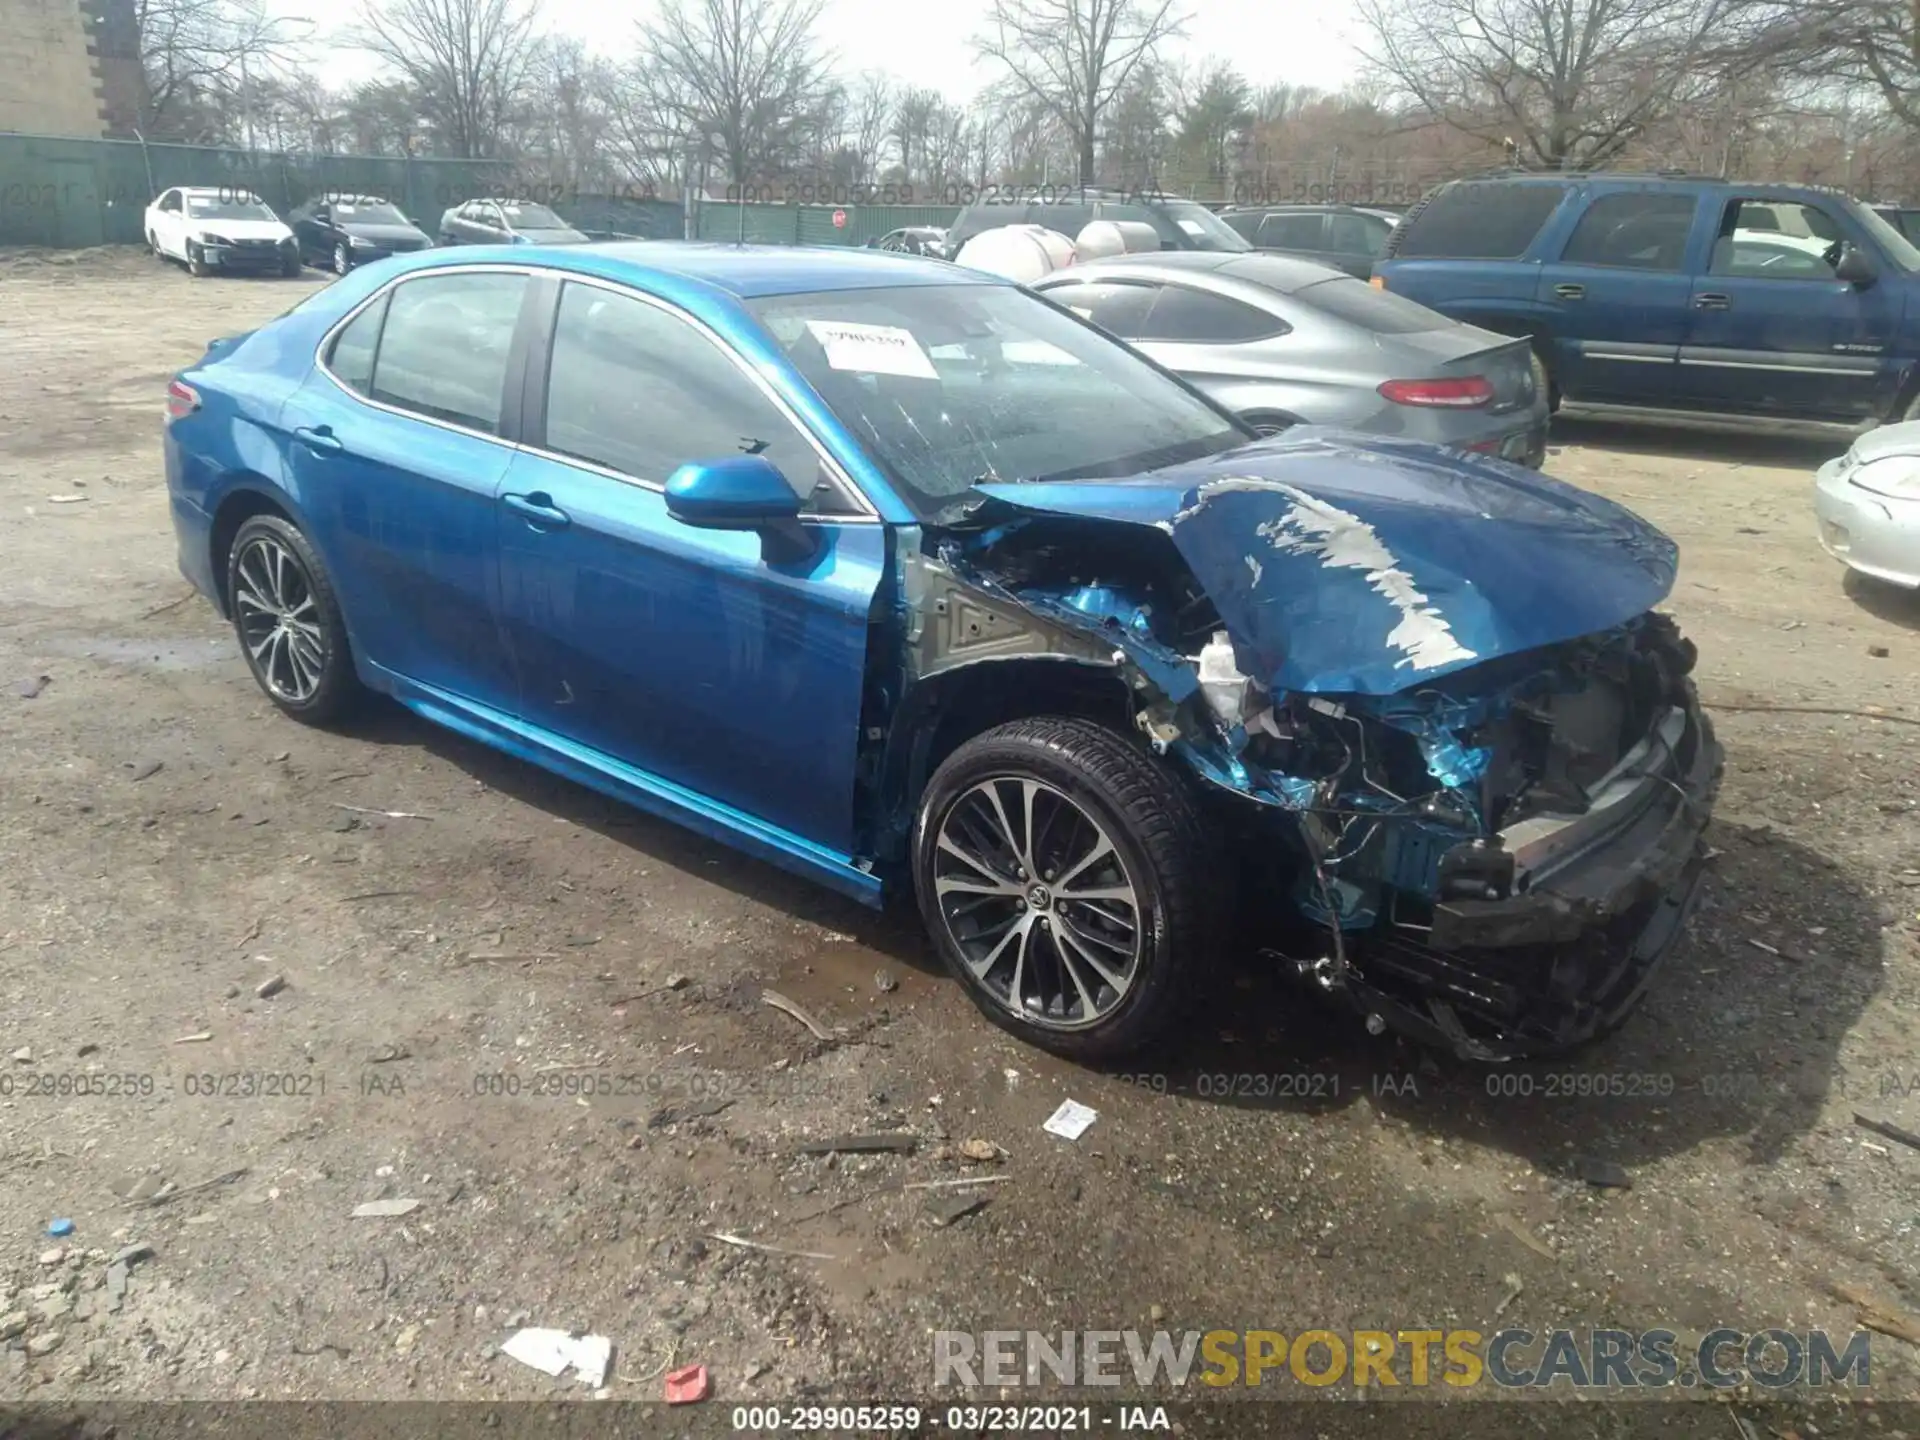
(1345, 563)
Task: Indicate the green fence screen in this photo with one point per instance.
(73, 193)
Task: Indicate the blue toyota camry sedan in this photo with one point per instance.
(902, 577)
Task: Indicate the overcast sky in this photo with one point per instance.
(925, 42)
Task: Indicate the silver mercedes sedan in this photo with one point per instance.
(1286, 342)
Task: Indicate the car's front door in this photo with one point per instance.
(313, 229)
(1615, 298)
(708, 658)
(1773, 330)
(170, 225)
(397, 448)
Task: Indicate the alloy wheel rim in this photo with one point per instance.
(1038, 901)
(279, 620)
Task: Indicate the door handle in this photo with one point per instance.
(1570, 292)
(320, 439)
(538, 510)
(1712, 302)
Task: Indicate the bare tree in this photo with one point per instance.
(1073, 58)
(870, 120)
(467, 61)
(1570, 83)
(195, 56)
(744, 78)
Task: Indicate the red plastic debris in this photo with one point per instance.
(687, 1385)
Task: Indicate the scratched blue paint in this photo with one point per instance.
(1490, 559)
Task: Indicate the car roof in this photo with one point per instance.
(218, 192)
(742, 271)
(1323, 208)
(1282, 273)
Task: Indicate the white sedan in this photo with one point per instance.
(220, 229)
(1868, 504)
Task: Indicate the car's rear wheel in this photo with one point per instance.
(342, 258)
(1067, 881)
(288, 621)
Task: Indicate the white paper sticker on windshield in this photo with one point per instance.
(872, 349)
(1192, 227)
(1035, 352)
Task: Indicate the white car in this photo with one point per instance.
(210, 229)
(1868, 504)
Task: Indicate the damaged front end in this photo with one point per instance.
(1484, 816)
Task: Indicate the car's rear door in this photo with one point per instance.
(1773, 330)
(397, 445)
(700, 657)
(1615, 298)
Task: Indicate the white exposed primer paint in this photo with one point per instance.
(1253, 565)
(1344, 541)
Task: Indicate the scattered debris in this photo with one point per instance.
(790, 1007)
(1876, 1314)
(59, 1228)
(23, 1056)
(982, 1151)
(1071, 1120)
(553, 1351)
(44, 1344)
(65, 499)
(55, 1256)
(1878, 652)
(195, 1038)
(884, 982)
(320, 1348)
(170, 605)
(1870, 714)
(270, 987)
(1762, 945)
(30, 688)
(894, 1144)
(377, 895)
(1883, 1127)
(167, 1190)
(676, 982)
(961, 1180)
(385, 1054)
(147, 770)
(1526, 1237)
(1512, 1282)
(943, 1210)
(132, 1255)
(693, 1110)
(385, 1209)
(86, 1049)
(388, 814)
(499, 957)
(746, 1244)
(117, 1275)
(688, 1385)
(1602, 1173)
(1013, 1078)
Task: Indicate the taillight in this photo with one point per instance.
(1378, 282)
(182, 400)
(1462, 393)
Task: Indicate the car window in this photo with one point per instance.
(170, 200)
(351, 356)
(1635, 230)
(1352, 234)
(1379, 311)
(1069, 220)
(1477, 220)
(1182, 314)
(1295, 231)
(638, 389)
(444, 347)
(946, 386)
(1245, 223)
(1790, 248)
(1117, 308)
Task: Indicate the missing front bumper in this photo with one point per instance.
(1603, 900)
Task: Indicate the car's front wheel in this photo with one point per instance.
(1068, 882)
(342, 258)
(196, 261)
(288, 621)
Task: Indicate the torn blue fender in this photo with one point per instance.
(1348, 564)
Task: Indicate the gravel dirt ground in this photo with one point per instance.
(541, 1017)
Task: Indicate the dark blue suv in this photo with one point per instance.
(1677, 293)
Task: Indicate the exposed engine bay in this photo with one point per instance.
(1490, 859)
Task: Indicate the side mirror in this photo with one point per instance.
(741, 492)
(1854, 267)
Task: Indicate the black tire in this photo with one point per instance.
(1544, 382)
(342, 258)
(290, 266)
(1152, 820)
(337, 689)
(153, 244)
(196, 262)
